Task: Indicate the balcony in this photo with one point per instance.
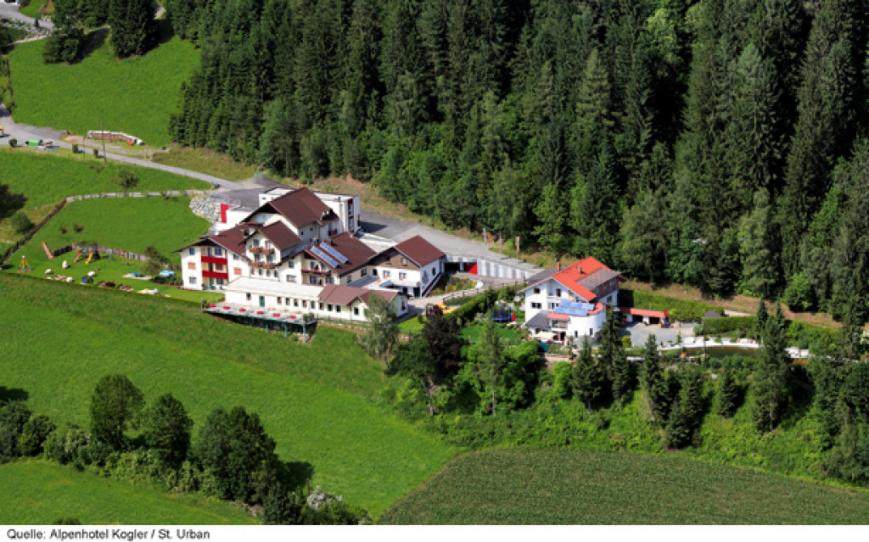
(266, 251)
(215, 275)
(263, 265)
(312, 271)
(218, 260)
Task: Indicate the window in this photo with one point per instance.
(402, 276)
(255, 242)
(247, 296)
(279, 300)
(536, 290)
(191, 265)
(304, 304)
(191, 251)
(386, 274)
(220, 282)
(355, 311)
(349, 280)
(192, 280)
(337, 308)
(290, 264)
(558, 292)
(291, 278)
(403, 260)
(295, 302)
(235, 256)
(364, 272)
(218, 251)
(374, 271)
(321, 306)
(535, 305)
(330, 307)
(260, 272)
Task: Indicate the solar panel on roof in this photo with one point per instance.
(323, 256)
(573, 309)
(334, 253)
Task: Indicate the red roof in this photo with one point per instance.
(645, 312)
(231, 239)
(420, 251)
(280, 235)
(301, 207)
(574, 275)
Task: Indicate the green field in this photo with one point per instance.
(42, 493)
(318, 400)
(136, 95)
(46, 179)
(525, 486)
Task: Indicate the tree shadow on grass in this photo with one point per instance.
(12, 394)
(93, 41)
(297, 474)
(10, 202)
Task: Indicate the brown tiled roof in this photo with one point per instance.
(338, 294)
(420, 251)
(231, 239)
(280, 235)
(357, 252)
(301, 207)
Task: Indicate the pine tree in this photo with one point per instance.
(643, 250)
(491, 361)
(824, 127)
(134, 29)
(761, 316)
(613, 358)
(593, 116)
(596, 209)
(729, 395)
(653, 383)
(587, 377)
(770, 381)
(687, 414)
(758, 248)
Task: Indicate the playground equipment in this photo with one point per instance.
(91, 254)
(48, 253)
(24, 267)
(77, 255)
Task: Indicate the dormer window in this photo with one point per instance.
(403, 260)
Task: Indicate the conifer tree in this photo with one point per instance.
(587, 377)
(613, 358)
(729, 394)
(653, 383)
(687, 414)
(770, 380)
(757, 247)
(134, 29)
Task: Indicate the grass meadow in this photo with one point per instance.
(34, 8)
(135, 95)
(46, 179)
(318, 401)
(38, 492)
(563, 486)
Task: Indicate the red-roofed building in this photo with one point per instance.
(571, 302)
(413, 266)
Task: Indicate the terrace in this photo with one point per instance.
(269, 318)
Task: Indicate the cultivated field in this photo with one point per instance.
(554, 486)
(316, 400)
(136, 95)
(39, 492)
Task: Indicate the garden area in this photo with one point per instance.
(130, 224)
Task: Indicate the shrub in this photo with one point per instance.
(13, 417)
(128, 180)
(34, 434)
(21, 223)
(68, 445)
(745, 325)
(799, 294)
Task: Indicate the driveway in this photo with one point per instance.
(8, 11)
(640, 332)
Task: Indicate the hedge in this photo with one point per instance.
(728, 324)
(677, 308)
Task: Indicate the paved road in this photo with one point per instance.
(8, 11)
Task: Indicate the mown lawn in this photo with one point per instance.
(207, 161)
(317, 401)
(38, 492)
(136, 95)
(553, 486)
(34, 8)
(45, 179)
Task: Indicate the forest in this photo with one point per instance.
(717, 143)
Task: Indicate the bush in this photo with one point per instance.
(68, 445)
(13, 142)
(128, 180)
(13, 418)
(64, 46)
(799, 294)
(745, 325)
(34, 434)
(21, 223)
(476, 305)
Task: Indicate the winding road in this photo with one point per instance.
(8, 11)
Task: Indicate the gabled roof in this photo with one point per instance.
(231, 239)
(280, 235)
(301, 207)
(584, 276)
(419, 251)
(338, 294)
(355, 251)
